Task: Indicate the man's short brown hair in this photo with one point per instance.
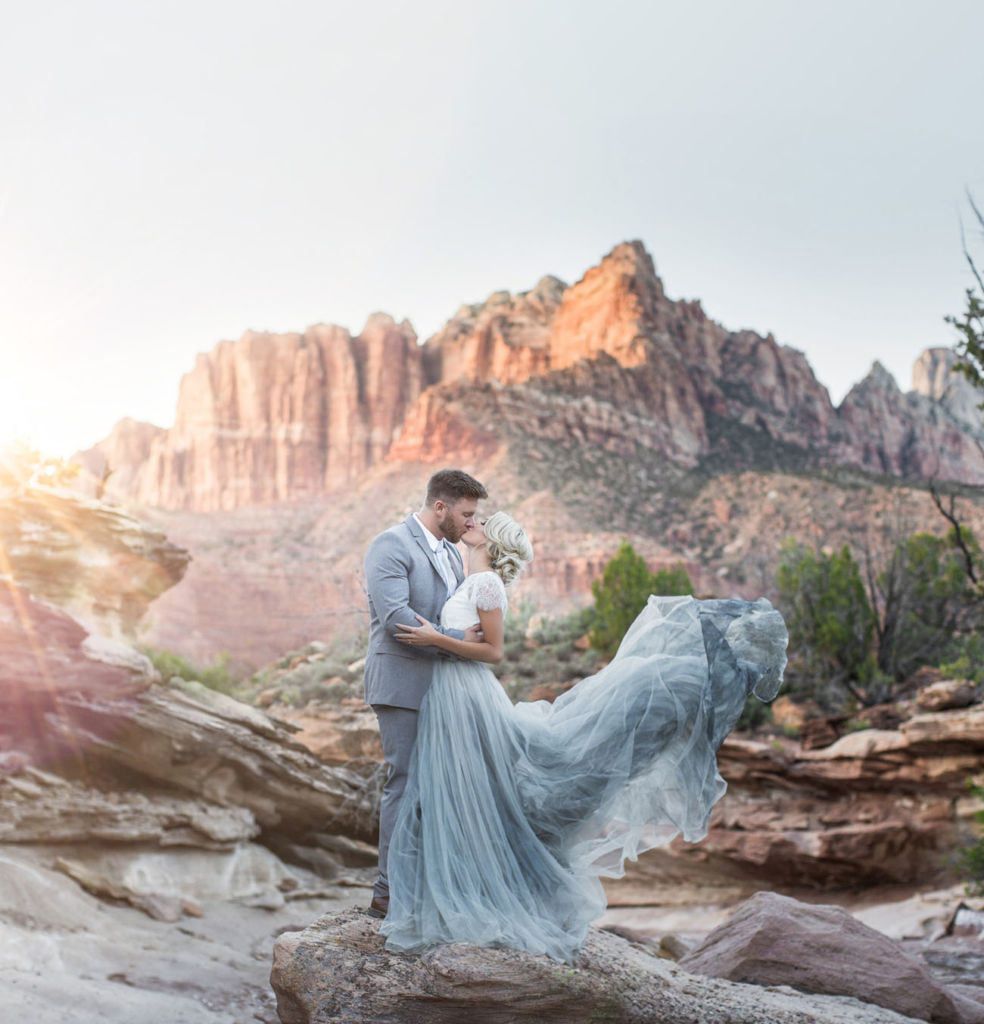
(451, 485)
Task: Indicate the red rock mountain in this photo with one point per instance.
(593, 412)
(271, 417)
(609, 362)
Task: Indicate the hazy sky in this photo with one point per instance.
(174, 173)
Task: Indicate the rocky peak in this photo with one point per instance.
(878, 378)
(506, 338)
(116, 461)
(906, 435)
(613, 309)
(934, 375)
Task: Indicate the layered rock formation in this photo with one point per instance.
(97, 752)
(272, 417)
(876, 807)
(933, 376)
(337, 970)
(593, 411)
(279, 417)
(92, 560)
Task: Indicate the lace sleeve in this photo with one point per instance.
(489, 592)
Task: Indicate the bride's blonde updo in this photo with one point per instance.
(510, 550)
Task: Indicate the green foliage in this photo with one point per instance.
(923, 608)
(829, 618)
(216, 676)
(321, 672)
(622, 592)
(970, 326)
(754, 714)
(931, 608)
(972, 856)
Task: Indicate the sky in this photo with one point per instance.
(173, 174)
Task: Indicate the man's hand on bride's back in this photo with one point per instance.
(474, 634)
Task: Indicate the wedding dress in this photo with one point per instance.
(512, 812)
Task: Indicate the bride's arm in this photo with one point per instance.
(489, 649)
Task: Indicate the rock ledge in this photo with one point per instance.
(337, 971)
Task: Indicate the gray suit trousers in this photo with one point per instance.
(398, 731)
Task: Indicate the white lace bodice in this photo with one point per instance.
(483, 590)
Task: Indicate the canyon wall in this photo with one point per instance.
(280, 417)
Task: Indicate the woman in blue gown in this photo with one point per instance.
(512, 812)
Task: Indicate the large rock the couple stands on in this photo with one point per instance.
(337, 971)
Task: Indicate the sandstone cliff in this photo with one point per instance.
(282, 417)
(594, 411)
(273, 417)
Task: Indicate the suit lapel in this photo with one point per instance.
(417, 532)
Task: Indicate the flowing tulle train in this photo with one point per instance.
(512, 812)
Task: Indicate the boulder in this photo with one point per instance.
(775, 940)
(947, 694)
(337, 972)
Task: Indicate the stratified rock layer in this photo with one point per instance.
(273, 417)
(95, 561)
(337, 972)
(876, 807)
(280, 417)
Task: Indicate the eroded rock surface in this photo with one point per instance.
(876, 807)
(276, 417)
(773, 940)
(337, 971)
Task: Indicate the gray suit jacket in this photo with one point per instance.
(403, 577)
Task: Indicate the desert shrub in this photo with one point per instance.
(830, 621)
(931, 608)
(858, 644)
(547, 654)
(622, 592)
(217, 676)
(754, 715)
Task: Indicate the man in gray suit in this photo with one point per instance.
(411, 569)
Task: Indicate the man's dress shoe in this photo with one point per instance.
(378, 907)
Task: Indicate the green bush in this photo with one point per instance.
(753, 715)
(622, 592)
(217, 676)
(931, 608)
(830, 620)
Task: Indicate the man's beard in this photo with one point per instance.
(451, 533)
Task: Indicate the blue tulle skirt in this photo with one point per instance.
(512, 812)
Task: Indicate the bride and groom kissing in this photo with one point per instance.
(498, 819)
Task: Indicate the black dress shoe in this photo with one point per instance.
(379, 906)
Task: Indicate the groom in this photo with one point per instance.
(411, 568)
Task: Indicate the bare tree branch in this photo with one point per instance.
(950, 515)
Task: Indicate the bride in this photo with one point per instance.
(512, 812)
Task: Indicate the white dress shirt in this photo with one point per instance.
(439, 547)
